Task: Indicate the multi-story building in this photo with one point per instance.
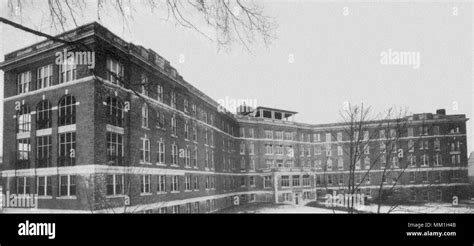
(125, 131)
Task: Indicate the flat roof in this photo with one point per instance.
(275, 109)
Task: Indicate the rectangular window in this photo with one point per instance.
(242, 148)
(23, 153)
(114, 148)
(174, 154)
(175, 183)
(187, 183)
(382, 134)
(145, 151)
(186, 105)
(186, 130)
(252, 181)
(44, 186)
(296, 180)
(425, 160)
(196, 207)
(424, 177)
(173, 99)
(196, 183)
(195, 156)
(268, 149)
(67, 70)
(340, 164)
(144, 84)
(189, 208)
(44, 76)
(251, 149)
(317, 137)
(115, 185)
(367, 162)
(173, 126)
(115, 72)
(145, 116)
(22, 186)
(161, 184)
(146, 184)
(366, 135)
(285, 181)
(24, 82)
(207, 183)
(159, 90)
(67, 186)
(187, 157)
(339, 150)
(160, 120)
(317, 150)
(328, 150)
(306, 181)
(268, 134)
(267, 181)
(328, 137)
(161, 152)
(67, 149)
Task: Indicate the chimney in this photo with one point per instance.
(441, 111)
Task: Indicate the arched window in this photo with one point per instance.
(23, 119)
(43, 115)
(114, 109)
(67, 110)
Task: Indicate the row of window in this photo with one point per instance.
(329, 137)
(368, 163)
(115, 183)
(66, 151)
(271, 149)
(295, 181)
(44, 186)
(44, 76)
(188, 208)
(388, 178)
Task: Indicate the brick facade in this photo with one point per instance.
(109, 175)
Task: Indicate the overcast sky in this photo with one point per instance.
(336, 57)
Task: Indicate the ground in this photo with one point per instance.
(265, 208)
(429, 208)
(269, 208)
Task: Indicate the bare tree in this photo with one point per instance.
(395, 153)
(232, 21)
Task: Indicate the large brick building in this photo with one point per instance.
(130, 134)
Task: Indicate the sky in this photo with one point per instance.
(325, 54)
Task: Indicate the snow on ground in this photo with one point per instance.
(267, 208)
(429, 208)
(293, 209)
